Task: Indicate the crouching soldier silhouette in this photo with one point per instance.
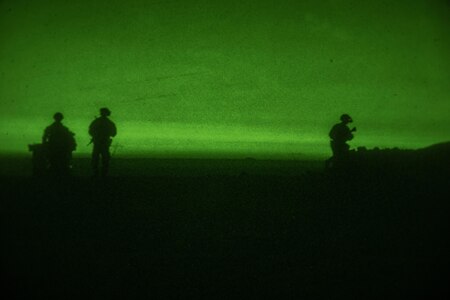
(340, 134)
(102, 129)
(59, 143)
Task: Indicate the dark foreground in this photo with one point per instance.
(358, 234)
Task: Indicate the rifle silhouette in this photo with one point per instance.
(92, 139)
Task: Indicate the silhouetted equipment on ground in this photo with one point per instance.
(58, 143)
(102, 129)
(373, 230)
(394, 161)
(339, 135)
(39, 159)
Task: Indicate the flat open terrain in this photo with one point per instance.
(212, 229)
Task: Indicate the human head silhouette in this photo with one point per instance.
(105, 112)
(58, 117)
(345, 118)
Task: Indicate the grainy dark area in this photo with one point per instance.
(371, 231)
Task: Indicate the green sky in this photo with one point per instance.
(230, 78)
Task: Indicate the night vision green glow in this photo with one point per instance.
(226, 78)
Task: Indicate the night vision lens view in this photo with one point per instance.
(198, 148)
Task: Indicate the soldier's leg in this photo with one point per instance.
(67, 157)
(55, 162)
(338, 155)
(60, 164)
(331, 162)
(343, 155)
(95, 159)
(52, 164)
(106, 157)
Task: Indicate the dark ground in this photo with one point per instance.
(222, 229)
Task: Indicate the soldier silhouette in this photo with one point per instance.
(58, 142)
(102, 129)
(340, 134)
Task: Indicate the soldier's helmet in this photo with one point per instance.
(346, 118)
(105, 112)
(58, 117)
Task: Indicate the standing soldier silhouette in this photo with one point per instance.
(340, 134)
(102, 129)
(58, 142)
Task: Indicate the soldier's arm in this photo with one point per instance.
(348, 134)
(113, 129)
(91, 129)
(332, 133)
(45, 136)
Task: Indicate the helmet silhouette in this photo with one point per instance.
(346, 118)
(58, 117)
(105, 112)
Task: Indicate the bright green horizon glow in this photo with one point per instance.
(226, 78)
